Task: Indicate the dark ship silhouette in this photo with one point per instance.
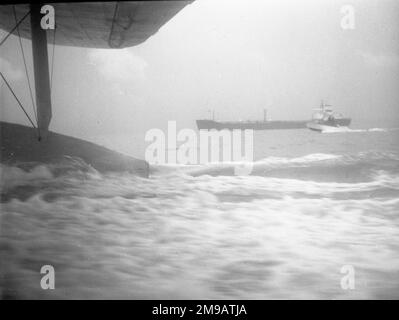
(207, 124)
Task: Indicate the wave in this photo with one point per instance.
(363, 174)
(27, 178)
(76, 167)
(175, 233)
(213, 167)
(315, 167)
(231, 188)
(57, 167)
(128, 247)
(238, 189)
(349, 130)
(128, 234)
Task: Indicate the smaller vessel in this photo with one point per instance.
(325, 119)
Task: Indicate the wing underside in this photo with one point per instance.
(102, 24)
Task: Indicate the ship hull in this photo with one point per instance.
(260, 125)
(325, 125)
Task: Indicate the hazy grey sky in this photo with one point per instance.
(236, 57)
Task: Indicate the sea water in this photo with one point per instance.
(314, 206)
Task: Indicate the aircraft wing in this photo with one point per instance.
(102, 24)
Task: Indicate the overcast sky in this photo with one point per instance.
(236, 57)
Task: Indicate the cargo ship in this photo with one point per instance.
(325, 119)
(209, 124)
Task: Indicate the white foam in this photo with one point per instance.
(215, 166)
(186, 237)
(349, 130)
(341, 130)
(377, 130)
(13, 176)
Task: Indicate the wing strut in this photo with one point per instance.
(41, 69)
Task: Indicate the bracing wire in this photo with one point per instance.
(13, 29)
(16, 98)
(26, 68)
(16, 27)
